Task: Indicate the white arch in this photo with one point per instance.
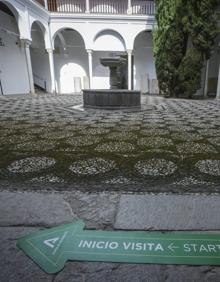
(20, 15)
(14, 11)
(135, 36)
(109, 40)
(45, 30)
(41, 26)
(144, 65)
(62, 40)
(63, 28)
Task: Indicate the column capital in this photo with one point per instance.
(49, 50)
(25, 43)
(129, 51)
(89, 51)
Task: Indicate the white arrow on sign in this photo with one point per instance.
(172, 248)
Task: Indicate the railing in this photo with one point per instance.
(108, 6)
(67, 6)
(138, 7)
(142, 7)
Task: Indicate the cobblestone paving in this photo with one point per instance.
(184, 133)
(50, 143)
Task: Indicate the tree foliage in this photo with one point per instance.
(183, 40)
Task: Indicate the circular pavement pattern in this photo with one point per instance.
(57, 135)
(94, 131)
(155, 142)
(153, 132)
(190, 148)
(185, 136)
(92, 166)
(211, 167)
(33, 164)
(83, 140)
(39, 145)
(121, 136)
(155, 167)
(15, 139)
(115, 147)
(47, 178)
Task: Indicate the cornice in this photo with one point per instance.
(59, 17)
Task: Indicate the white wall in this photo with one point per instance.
(144, 64)
(14, 76)
(100, 73)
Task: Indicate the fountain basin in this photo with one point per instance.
(111, 99)
(112, 61)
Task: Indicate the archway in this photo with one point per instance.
(144, 66)
(71, 61)
(107, 43)
(12, 53)
(39, 58)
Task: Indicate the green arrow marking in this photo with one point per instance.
(50, 249)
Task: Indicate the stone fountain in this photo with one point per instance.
(115, 97)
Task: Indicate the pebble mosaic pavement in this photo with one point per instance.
(166, 146)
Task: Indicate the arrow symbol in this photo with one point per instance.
(172, 248)
(51, 242)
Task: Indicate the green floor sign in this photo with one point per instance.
(51, 248)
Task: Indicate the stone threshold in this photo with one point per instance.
(168, 212)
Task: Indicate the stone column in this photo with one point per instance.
(129, 11)
(52, 72)
(87, 6)
(218, 87)
(206, 79)
(129, 52)
(26, 45)
(89, 51)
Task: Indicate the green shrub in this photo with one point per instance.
(183, 40)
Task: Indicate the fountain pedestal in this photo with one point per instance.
(113, 98)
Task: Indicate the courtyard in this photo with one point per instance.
(53, 143)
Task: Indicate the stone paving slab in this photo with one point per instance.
(14, 264)
(97, 210)
(168, 212)
(93, 272)
(34, 209)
